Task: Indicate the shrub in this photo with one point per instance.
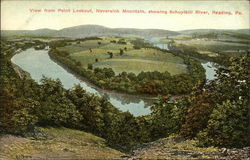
(227, 126)
(197, 115)
(17, 116)
(90, 66)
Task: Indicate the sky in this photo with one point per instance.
(17, 15)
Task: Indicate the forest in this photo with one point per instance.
(215, 113)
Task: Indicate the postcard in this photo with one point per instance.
(124, 79)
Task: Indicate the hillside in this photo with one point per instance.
(64, 143)
(96, 30)
(192, 31)
(61, 143)
(82, 31)
(38, 32)
(202, 114)
(91, 31)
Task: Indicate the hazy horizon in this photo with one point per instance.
(122, 27)
(17, 15)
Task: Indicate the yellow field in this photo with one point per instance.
(133, 60)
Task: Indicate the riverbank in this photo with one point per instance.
(39, 64)
(87, 81)
(209, 65)
(145, 83)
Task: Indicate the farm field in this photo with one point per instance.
(212, 44)
(96, 52)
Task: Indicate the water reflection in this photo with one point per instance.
(210, 70)
(38, 63)
(161, 45)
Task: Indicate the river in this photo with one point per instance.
(210, 67)
(38, 63)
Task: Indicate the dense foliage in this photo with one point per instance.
(217, 113)
(153, 83)
(26, 104)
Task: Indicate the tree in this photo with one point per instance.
(112, 41)
(58, 111)
(125, 130)
(56, 108)
(165, 118)
(198, 113)
(78, 63)
(23, 118)
(108, 72)
(51, 87)
(121, 52)
(92, 115)
(16, 114)
(233, 82)
(110, 54)
(90, 66)
(228, 125)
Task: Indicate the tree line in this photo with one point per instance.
(153, 83)
(216, 113)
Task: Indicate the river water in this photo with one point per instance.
(210, 67)
(38, 63)
(210, 70)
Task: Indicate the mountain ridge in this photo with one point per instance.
(90, 30)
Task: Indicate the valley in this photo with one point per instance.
(92, 92)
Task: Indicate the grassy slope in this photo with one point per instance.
(175, 148)
(131, 61)
(63, 143)
(60, 143)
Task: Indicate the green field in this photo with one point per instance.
(132, 60)
(213, 44)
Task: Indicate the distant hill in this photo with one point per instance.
(242, 31)
(92, 30)
(38, 32)
(97, 30)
